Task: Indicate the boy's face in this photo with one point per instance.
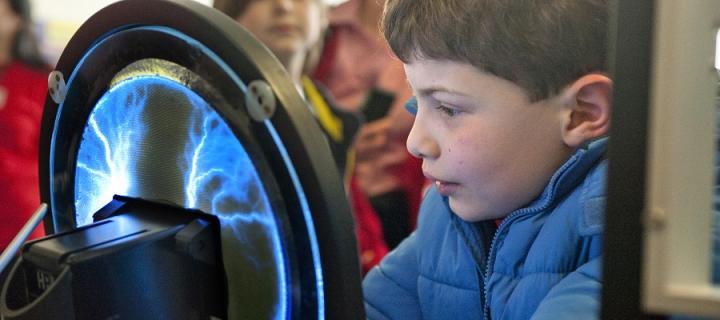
(483, 144)
(286, 27)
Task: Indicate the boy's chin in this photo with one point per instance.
(470, 213)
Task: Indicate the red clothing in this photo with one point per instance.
(354, 61)
(368, 229)
(22, 95)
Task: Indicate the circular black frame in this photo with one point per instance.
(294, 125)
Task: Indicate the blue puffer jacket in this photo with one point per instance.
(542, 262)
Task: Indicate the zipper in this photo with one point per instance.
(491, 254)
(513, 216)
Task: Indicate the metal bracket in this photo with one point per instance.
(260, 100)
(57, 87)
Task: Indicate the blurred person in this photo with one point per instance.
(355, 62)
(23, 87)
(292, 30)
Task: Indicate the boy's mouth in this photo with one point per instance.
(446, 188)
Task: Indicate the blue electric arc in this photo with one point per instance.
(152, 137)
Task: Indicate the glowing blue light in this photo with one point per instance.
(119, 154)
(117, 168)
(104, 164)
(319, 282)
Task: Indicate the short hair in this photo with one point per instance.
(540, 45)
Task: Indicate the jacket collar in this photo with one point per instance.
(478, 236)
(572, 172)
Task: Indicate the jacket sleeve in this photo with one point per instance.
(390, 289)
(577, 296)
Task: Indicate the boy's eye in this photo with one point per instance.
(450, 112)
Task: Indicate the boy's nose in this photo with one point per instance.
(419, 143)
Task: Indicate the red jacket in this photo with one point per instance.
(22, 95)
(368, 229)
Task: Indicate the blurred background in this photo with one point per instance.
(56, 21)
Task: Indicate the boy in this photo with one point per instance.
(511, 96)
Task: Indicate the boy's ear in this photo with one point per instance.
(588, 103)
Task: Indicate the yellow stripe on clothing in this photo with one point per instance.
(332, 124)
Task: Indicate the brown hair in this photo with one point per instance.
(540, 45)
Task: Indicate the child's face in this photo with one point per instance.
(286, 27)
(483, 144)
(9, 25)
